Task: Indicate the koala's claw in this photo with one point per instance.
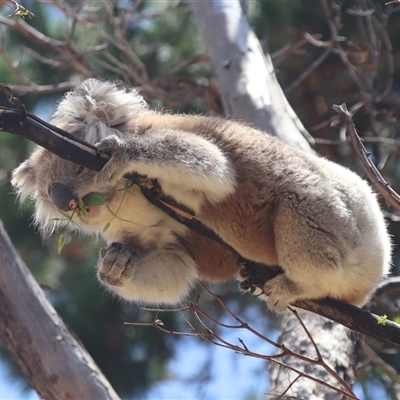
(247, 285)
(109, 145)
(113, 146)
(268, 283)
(255, 275)
(248, 280)
(116, 265)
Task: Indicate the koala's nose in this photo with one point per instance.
(63, 198)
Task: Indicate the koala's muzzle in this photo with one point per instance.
(63, 198)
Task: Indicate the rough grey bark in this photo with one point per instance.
(251, 92)
(338, 346)
(54, 362)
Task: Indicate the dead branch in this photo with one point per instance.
(333, 20)
(390, 285)
(379, 182)
(114, 54)
(385, 367)
(207, 330)
(376, 49)
(308, 70)
(69, 147)
(32, 35)
(282, 54)
(394, 143)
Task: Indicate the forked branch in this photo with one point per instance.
(211, 329)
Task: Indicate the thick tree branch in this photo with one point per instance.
(54, 362)
(59, 142)
(354, 318)
(68, 147)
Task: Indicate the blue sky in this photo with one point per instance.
(11, 390)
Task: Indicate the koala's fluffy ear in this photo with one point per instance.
(24, 179)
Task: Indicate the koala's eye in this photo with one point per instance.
(80, 170)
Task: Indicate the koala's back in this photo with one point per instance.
(296, 210)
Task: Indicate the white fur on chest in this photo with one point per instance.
(135, 216)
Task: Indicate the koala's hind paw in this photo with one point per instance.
(116, 265)
(280, 292)
(268, 283)
(253, 275)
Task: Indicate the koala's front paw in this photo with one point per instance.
(280, 292)
(116, 265)
(113, 146)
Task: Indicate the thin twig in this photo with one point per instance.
(333, 23)
(381, 185)
(395, 143)
(281, 395)
(386, 368)
(211, 336)
(308, 70)
(320, 361)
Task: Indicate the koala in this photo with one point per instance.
(271, 203)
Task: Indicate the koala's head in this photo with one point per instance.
(92, 111)
(55, 185)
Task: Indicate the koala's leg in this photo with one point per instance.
(312, 253)
(158, 276)
(186, 166)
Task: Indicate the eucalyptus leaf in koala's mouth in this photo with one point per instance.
(89, 205)
(93, 199)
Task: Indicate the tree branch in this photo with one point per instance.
(59, 142)
(379, 182)
(54, 362)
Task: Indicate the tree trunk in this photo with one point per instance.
(246, 78)
(251, 92)
(338, 346)
(54, 362)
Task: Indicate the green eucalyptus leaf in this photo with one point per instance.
(106, 227)
(61, 243)
(82, 208)
(94, 199)
(128, 184)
